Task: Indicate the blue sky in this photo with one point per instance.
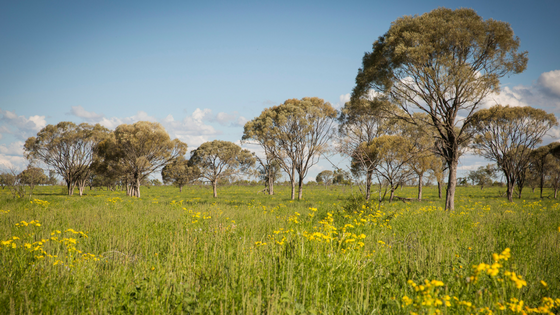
(203, 68)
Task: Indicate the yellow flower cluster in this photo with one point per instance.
(427, 296)
(494, 269)
(42, 203)
(37, 250)
(32, 222)
(428, 301)
(114, 200)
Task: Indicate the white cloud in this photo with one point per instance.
(79, 111)
(543, 94)
(20, 126)
(223, 118)
(193, 142)
(11, 161)
(342, 99)
(241, 121)
(200, 115)
(512, 97)
(14, 148)
(551, 81)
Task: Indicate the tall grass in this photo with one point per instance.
(248, 253)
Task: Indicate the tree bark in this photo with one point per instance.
(510, 184)
(420, 187)
(439, 189)
(215, 188)
(368, 185)
(293, 180)
(451, 185)
(70, 186)
(300, 188)
(180, 188)
(270, 185)
(392, 194)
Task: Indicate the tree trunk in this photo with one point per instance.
(70, 186)
(215, 188)
(135, 189)
(270, 185)
(368, 185)
(180, 188)
(420, 187)
(293, 180)
(300, 189)
(555, 192)
(451, 185)
(392, 194)
(439, 188)
(509, 193)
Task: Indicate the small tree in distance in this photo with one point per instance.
(482, 176)
(138, 150)
(325, 178)
(180, 173)
(295, 134)
(508, 135)
(218, 160)
(33, 176)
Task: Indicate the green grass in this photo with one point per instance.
(249, 253)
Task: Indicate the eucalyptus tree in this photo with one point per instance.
(542, 162)
(421, 137)
(325, 177)
(33, 176)
(138, 150)
(219, 160)
(507, 135)
(67, 148)
(391, 156)
(443, 63)
(179, 173)
(295, 133)
(482, 176)
(361, 122)
(268, 171)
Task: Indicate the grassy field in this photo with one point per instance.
(249, 253)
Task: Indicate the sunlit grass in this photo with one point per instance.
(244, 252)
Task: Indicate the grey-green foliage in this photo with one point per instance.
(325, 177)
(67, 148)
(483, 175)
(221, 159)
(507, 135)
(295, 133)
(180, 173)
(441, 62)
(137, 150)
